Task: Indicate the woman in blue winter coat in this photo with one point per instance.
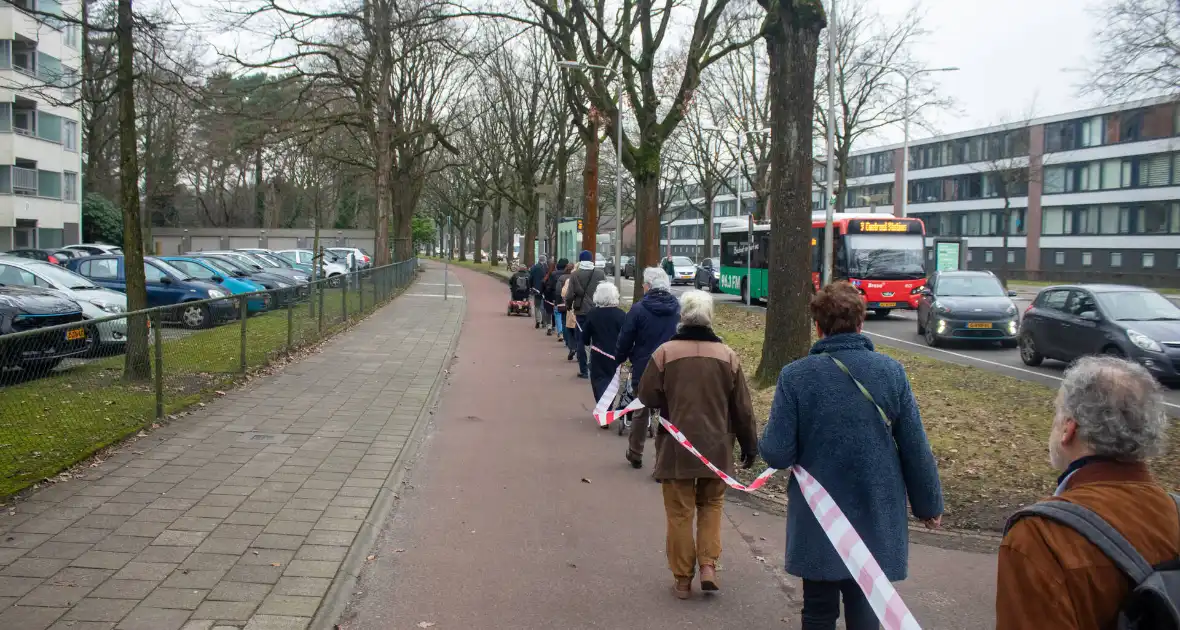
(869, 464)
(600, 333)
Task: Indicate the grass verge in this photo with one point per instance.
(51, 423)
(988, 431)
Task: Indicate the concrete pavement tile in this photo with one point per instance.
(156, 515)
(29, 617)
(142, 528)
(312, 568)
(118, 509)
(144, 618)
(328, 537)
(42, 526)
(103, 560)
(290, 605)
(294, 528)
(316, 552)
(183, 578)
(263, 557)
(183, 598)
(240, 592)
(95, 609)
(203, 624)
(249, 518)
(277, 622)
(176, 538)
(209, 561)
(10, 554)
(226, 611)
(124, 544)
(171, 503)
(255, 574)
(235, 546)
(356, 502)
(68, 551)
(125, 589)
(101, 521)
(291, 514)
(147, 571)
(278, 541)
(77, 576)
(302, 586)
(5, 602)
(209, 512)
(18, 586)
(55, 596)
(221, 500)
(34, 567)
(237, 531)
(157, 554)
(265, 507)
(73, 624)
(81, 535)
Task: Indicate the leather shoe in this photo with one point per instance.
(709, 578)
(635, 459)
(682, 588)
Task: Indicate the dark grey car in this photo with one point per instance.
(1067, 322)
(967, 306)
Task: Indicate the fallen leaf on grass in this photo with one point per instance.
(585, 480)
(370, 558)
(425, 624)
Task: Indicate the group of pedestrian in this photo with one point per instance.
(846, 414)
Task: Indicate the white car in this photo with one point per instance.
(357, 258)
(599, 260)
(333, 265)
(685, 270)
(96, 249)
(96, 302)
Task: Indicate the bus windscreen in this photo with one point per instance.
(886, 256)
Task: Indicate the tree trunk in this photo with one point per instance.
(463, 241)
(259, 194)
(647, 226)
(479, 235)
(841, 177)
(137, 365)
(496, 233)
(708, 227)
(792, 38)
(590, 190)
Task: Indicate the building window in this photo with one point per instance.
(969, 255)
(1087, 258)
(930, 256)
(987, 256)
(1059, 258)
(70, 186)
(1011, 256)
(1053, 221)
(1148, 260)
(1116, 259)
(69, 135)
(71, 35)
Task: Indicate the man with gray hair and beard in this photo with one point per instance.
(1109, 420)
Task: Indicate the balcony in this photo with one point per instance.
(24, 181)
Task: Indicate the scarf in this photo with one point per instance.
(586, 264)
(696, 333)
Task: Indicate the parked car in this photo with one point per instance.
(967, 306)
(53, 256)
(166, 286)
(684, 270)
(283, 288)
(708, 276)
(203, 270)
(96, 302)
(334, 264)
(628, 266)
(24, 308)
(359, 258)
(599, 260)
(96, 249)
(258, 264)
(1067, 322)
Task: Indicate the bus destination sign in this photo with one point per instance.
(883, 226)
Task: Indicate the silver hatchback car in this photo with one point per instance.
(96, 302)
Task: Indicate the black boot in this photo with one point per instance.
(636, 460)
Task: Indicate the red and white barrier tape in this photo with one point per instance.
(891, 611)
(604, 353)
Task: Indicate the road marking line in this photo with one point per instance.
(971, 358)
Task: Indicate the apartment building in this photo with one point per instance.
(40, 120)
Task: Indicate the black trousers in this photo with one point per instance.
(821, 606)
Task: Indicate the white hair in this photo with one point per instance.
(606, 295)
(1118, 407)
(696, 308)
(656, 278)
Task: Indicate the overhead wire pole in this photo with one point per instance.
(829, 199)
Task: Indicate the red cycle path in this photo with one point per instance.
(497, 529)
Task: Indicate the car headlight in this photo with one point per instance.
(214, 293)
(716, 274)
(108, 306)
(1143, 341)
(301, 278)
(1011, 310)
(942, 309)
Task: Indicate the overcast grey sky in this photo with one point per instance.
(1014, 55)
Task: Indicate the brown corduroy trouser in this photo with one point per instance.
(684, 499)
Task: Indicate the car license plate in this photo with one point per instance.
(979, 324)
(75, 334)
(887, 304)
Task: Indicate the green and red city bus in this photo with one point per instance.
(882, 255)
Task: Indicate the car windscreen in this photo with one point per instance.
(61, 276)
(163, 265)
(274, 260)
(886, 256)
(258, 258)
(227, 265)
(193, 269)
(291, 257)
(682, 261)
(969, 286)
(1138, 306)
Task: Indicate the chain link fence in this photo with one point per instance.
(70, 386)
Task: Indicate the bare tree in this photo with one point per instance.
(792, 37)
(1139, 42)
(137, 365)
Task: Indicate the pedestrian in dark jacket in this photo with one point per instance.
(537, 288)
(649, 323)
(601, 334)
(553, 294)
(820, 420)
(698, 383)
(582, 283)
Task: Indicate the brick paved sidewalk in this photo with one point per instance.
(243, 514)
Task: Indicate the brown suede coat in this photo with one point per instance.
(697, 383)
(1051, 578)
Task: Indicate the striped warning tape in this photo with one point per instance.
(891, 611)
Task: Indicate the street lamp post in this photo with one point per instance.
(750, 217)
(618, 244)
(905, 150)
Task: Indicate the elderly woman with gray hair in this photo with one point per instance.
(600, 333)
(698, 384)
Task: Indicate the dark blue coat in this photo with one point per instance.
(601, 330)
(537, 278)
(650, 322)
(820, 420)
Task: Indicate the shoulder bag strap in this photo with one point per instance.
(863, 390)
(1094, 529)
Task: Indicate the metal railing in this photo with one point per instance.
(69, 385)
